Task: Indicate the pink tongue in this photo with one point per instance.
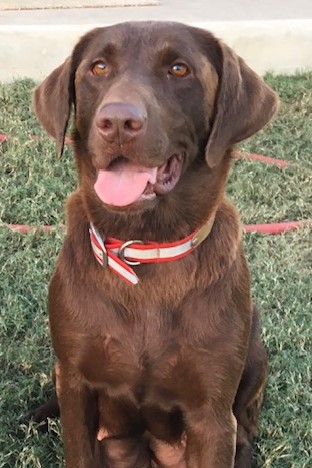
(124, 184)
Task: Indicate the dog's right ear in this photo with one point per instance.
(53, 99)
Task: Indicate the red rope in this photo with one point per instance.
(267, 228)
(263, 159)
(276, 228)
(238, 155)
(25, 228)
(270, 228)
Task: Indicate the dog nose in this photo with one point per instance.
(120, 121)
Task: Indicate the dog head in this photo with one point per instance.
(154, 103)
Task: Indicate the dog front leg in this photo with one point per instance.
(211, 440)
(78, 420)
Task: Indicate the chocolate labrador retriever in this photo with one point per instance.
(159, 359)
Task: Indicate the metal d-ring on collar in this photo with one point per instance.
(121, 252)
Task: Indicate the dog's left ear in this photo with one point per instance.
(244, 105)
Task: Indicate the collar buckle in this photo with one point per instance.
(121, 252)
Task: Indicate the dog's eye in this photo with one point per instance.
(180, 70)
(100, 68)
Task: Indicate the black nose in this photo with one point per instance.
(120, 122)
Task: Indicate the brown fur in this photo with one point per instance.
(172, 369)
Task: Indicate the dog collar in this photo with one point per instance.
(119, 256)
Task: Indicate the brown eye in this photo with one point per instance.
(180, 70)
(100, 68)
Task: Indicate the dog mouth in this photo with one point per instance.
(124, 182)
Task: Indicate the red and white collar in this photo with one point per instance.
(119, 256)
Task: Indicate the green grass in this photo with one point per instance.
(33, 189)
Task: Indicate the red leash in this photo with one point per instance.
(264, 159)
(267, 228)
(270, 228)
(253, 156)
(277, 228)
